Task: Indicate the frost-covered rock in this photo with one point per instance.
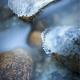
(65, 42)
(27, 7)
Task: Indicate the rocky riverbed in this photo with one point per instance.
(15, 34)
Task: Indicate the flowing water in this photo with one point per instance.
(14, 33)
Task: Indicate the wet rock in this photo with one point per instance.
(64, 41)
(35, 38)
(72, 62)
(5, 13)
(29, 9)
(41, 25)
(16, 65)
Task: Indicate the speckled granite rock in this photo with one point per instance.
(30, 9)
(15, 65)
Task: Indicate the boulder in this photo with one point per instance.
(28, 9)
(64, 42)
(16, 65)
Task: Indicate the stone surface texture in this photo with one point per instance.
(15, 65)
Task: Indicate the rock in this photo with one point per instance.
(29, 9)
(6, 10)
(64, 41)
(72, 62)
(35, 38)
(41, 25)
(16, 65)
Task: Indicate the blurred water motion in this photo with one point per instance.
(65, 12)
(15, 33)
(2, 2)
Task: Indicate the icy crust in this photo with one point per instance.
(27, 7)
(64, 40)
